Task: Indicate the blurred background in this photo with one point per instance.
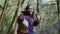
(49, 11)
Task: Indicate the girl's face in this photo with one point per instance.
(30, 9)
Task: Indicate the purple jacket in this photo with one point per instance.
(31, 26)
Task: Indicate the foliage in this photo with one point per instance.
(9, 9)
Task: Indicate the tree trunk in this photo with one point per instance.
(8, 16)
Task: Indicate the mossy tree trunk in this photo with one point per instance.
(8, 15)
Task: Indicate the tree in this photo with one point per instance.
(8, 16)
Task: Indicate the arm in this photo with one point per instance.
(20, 18)
(21, 26)
(36, 20)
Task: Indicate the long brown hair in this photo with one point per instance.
(26, 10)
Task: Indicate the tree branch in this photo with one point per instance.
(22, 2)
(5, 6)
(1, 7)
(38, 6)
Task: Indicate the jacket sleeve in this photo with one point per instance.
(21, 26)
(20, 19)
(36, 22)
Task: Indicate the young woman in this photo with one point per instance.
(27, 21)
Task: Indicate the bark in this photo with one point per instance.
(4, 9)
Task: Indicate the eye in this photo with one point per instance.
(30, 8)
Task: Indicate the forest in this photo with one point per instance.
(49, 11)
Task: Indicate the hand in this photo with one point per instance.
(37, 17)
